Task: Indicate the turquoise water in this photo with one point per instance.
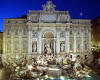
(65, 78)
(43, 78)
(93, 77)
(59, 79)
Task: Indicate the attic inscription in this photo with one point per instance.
(48, 18)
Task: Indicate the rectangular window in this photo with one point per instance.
(16, 45)
(24, 43)
(78, 32)
(24, 32)
(85, 46)
(8, 32)
(71, 32)
(8, 45)
(78, 46)
(71, 47)
(16, 32)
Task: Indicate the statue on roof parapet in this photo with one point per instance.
(49, 7)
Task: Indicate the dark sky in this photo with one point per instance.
(88, 9)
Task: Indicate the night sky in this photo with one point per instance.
(85, 9)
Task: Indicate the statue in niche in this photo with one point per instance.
(62, 47)
(34, 47)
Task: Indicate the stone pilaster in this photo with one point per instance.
(12, 42)
(4, 42)
(39, 43)
(82, 40)
(20, 41)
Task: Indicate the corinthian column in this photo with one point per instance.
(89, 36)
(29, 40)
(74, 41)
(67, 41)
(58, 42)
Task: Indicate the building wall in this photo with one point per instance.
(15, 37)
(1, 42)
(96, 33)
(19, 38)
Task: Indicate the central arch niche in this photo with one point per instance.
(48, 41)
(48, 35)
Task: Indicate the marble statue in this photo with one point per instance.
(62, 47)
(48, 49)
(34, 47)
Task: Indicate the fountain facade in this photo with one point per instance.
(46, 31)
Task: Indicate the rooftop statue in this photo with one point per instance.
(50, 7)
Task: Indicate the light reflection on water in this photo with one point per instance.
(64, 78)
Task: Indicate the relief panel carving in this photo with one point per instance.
(24, 45)
(34, 34)
(48, 18)
(62, 34)
(33, 18)
(63, 18)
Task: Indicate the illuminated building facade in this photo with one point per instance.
(1, 42)
(96, 33)
(44, 30)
